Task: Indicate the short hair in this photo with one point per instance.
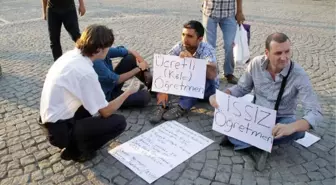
(197, 26)
(277, 37)
(95, 37)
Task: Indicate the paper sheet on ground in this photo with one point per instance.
(159, 150)
(308, 140)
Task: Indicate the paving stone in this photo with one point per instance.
(30, 168)
(211, 163)
(15, 172)
(190, 174)
(57, 167)
(112, 172)
(222, 177)
(47, 172)
(42, 154)
(21, 179)
(13, 165)
(315, 176)
(29, 159)
(237, 168)
(37, 175)
(329, 182)
(208, 173)
(78, 179)
(183, 181)
(119, 180)
(213, 155)
(201, 181)
(263, 181)
(310, 166)
(196, 166)
(163, 181)
(138, 181)
(226, 152)
(298, 169)
(70, 171)
(57, 178)
(218, 183)
(225, 160)
(172, 175)
(235, 181)
(44, 164)
(237, 159)
(302, 178)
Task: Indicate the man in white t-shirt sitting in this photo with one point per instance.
(72, 94)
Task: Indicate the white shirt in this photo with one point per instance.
(71, 82)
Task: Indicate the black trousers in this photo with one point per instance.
(140, 98)
(55, 20)
(84, 133)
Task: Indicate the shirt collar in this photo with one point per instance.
(283, 72)
(87, 59)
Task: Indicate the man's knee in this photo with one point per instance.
(120, 122)
(130, 58)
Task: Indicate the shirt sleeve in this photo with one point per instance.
(105, 75)
(91, 94)
(176, 50)
(245, 83)
(119, 51)
(209, 55)
(310, 104)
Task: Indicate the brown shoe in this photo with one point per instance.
(231, 79)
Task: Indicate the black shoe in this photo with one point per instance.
(68, 155)
(259, 157)
(85, 157)
(157, 115)
(225, 142)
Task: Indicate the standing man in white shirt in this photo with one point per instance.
(72, 94)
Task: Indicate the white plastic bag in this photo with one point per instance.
(241, 52)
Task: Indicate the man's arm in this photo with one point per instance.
(239, 13)
(44, 9)
(311, 107)
(211, 72)
(245, 83)
(128, 75)
(81, 8)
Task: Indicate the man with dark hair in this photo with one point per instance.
(278, 83)
(71, 95)
(226, 14)
(112, 80)
(58, 12)
(190, 46)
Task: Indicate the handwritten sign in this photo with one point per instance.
(179, 76)
(159, 150)
(244, 121)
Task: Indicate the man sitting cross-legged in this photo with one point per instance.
(191, 46)
(266, 74)
(112, 80)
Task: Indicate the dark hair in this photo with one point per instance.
(197, 26)
(277, 37)
(95, 37)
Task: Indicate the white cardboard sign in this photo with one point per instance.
(179, 76)
(244, 121)
(159, 150)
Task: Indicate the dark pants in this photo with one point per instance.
(84, 133)
(140, 98)
(55, 19)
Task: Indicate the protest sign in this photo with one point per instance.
(159, 150)
(179, 76)
(244, 121)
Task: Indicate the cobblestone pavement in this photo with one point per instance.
(153, 26)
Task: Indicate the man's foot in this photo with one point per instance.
(85, 156)
(148, 79)
(231, 79)
(225, 141)
(259, 157)
(66, 155)
(157, 115)
(174, 113)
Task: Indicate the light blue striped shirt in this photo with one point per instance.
(266, 90)
(204, 51)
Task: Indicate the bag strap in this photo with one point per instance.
(282, 88)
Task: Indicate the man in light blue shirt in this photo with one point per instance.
(265, 75)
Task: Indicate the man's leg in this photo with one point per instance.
(54, 28)
(70, 21)
(92, 133)
(127, 64)
(228, 26)
(210, 26)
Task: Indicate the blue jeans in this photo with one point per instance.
(238, 145)
(188, 102)
(228, 26)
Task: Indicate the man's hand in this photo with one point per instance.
(81, 9)
(211, 71)
(185, 54)
(143, 65)
(162, 98)
(281, 130)
(227, 91)
(213, 101)
(133, 87)
(240, 17)
(44, 16)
